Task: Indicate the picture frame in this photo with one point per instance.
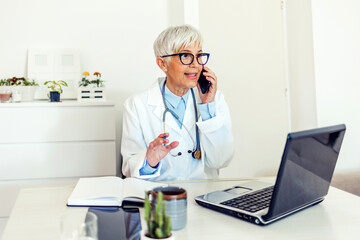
(46, 64)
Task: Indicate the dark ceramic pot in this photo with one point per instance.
(54, 97)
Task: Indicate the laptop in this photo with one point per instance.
(303, 180)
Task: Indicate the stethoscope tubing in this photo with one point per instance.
(197, 145)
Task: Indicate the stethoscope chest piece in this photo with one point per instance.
(196, 154)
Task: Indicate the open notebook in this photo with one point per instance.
(110, 191)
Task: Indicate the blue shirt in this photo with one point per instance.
(178, 105)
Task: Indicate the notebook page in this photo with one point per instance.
(97, 188)
(133, 187)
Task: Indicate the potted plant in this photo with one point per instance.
(157, 221)
(98, 82)
(56, 89)
(22, 87)
(91, 90)
(85, 80)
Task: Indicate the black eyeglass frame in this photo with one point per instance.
(193, 56)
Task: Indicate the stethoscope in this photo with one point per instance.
(196, 153)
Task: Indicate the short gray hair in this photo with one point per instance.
(173, 38)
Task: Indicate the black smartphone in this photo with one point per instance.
(117, 223)
(204, 84)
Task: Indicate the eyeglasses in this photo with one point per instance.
(188, 58)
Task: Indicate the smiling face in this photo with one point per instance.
(180, 77)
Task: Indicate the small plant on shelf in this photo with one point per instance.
(98, 82)
(85, 80)
(55, 89)
(17, 82)
(22, 89)
(158, 222)
(91, 90)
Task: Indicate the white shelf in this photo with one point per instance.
(65, 103)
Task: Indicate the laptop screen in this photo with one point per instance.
(306, 169)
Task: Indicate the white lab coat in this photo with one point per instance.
(142, 123)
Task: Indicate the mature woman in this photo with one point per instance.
(173, 130)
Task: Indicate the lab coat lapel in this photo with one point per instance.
(155, 99)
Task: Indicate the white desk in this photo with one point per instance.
(37, 212)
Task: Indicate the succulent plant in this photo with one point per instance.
(158, 223)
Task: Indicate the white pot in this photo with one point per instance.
(92, 94)
(27, 92)
(143, 237)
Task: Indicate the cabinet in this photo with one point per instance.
(43, 143)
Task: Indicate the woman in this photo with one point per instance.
(173, 130)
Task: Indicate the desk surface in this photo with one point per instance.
(37, 211)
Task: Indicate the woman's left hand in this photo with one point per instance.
(210, 95)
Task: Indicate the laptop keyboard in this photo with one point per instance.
(252, 202)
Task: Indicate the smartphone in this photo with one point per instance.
(117, 223)
(204, 84)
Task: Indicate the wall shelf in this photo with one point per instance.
(65, 103)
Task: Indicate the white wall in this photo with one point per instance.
(300, 64)
(336, 29)
(246, 41)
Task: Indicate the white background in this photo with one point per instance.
(259, 59)
(248, 55)
(337, 71)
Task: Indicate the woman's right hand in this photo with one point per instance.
(157, 151)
